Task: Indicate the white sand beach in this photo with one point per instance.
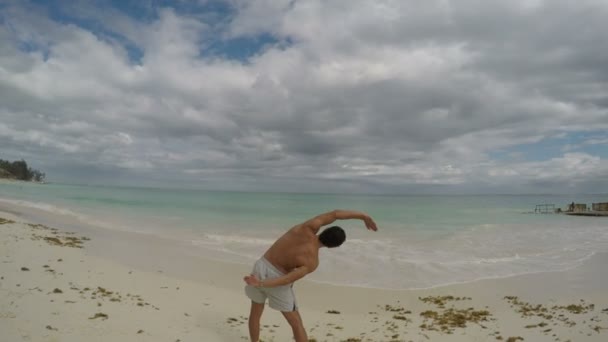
(60, 281)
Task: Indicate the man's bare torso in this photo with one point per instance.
(298, 247)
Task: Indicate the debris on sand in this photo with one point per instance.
(99, 315)
(5, 221)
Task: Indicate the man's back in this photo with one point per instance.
(297, 247)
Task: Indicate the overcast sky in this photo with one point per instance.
(433, 96)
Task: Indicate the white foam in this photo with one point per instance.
(42, 206)
(238, 239)
(70, 214)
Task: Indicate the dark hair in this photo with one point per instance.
(332, 237)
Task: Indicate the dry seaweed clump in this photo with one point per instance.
(449, 319)
(399, 313)
(552, 314)
(68, 241)
(65, 239)
(527, 310)
(576, 308)
(452, 318)
(441, 301)
(515, 339)
(397, 309)
(99, 315)
(5, 221)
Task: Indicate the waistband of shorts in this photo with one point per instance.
(271, 266)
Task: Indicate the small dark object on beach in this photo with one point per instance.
(515, 339)
(334, 312)
(140, 331)
(391, 308)
(56, 290)
(25, 269)
(99, 315)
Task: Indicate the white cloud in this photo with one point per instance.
(386, 93)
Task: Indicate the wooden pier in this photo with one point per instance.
(545, 209)
(587, 213)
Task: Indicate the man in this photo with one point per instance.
(291, 257)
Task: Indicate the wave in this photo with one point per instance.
(44, 207)
(219, 239)
(68, 213)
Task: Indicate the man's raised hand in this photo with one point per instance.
(370, 224)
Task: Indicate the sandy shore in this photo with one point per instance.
(63, 282)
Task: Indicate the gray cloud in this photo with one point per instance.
(367, 96)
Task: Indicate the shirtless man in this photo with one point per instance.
(291, 257)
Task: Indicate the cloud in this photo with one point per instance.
(372, 96)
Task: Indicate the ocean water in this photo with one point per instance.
(423, 241)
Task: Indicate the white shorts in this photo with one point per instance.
(280, 298)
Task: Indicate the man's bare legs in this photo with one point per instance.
(254, 321)
(295, 321)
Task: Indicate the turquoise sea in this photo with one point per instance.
(423, 241)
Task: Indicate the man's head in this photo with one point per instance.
(332, 237)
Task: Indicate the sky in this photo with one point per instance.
(404, 96)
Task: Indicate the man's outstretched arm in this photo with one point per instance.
(327, 218)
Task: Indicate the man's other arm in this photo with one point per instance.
(327, 218)
(288, 278)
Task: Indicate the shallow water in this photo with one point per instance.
(423, 241)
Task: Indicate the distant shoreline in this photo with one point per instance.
(12, 180)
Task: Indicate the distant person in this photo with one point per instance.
(291, 257)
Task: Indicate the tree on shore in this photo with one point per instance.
(19, 170)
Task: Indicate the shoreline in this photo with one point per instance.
(203, 299)
(123, 246)
(106, 246)
(112, 244)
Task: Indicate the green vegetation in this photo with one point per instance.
(19, 170)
